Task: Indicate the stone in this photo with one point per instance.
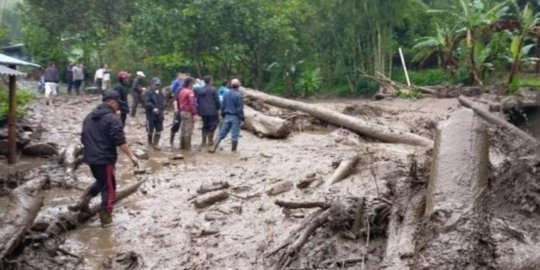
(141, 153)
(40, 149)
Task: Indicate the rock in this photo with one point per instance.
(280, 187)
(40, 149)
(213, 215)
(139, 171)
(177, 157)
(141, 153)
(23, 138)
(210, 198)
(3, 133)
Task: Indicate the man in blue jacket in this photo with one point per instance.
(232, 111)
(154, 104)
(101, 134)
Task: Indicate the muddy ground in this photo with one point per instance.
(160, 228)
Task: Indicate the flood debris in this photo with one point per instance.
(456, 231)
(344, 169)
(266, 126)
(213, 187)
(24, 204)
(493, 119)
(280, 187)
(128, 260)
(210, 198)
(71, 157)
(360, 126)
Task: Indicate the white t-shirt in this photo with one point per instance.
(99, 74)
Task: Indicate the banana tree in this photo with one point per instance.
(528, 24)
(443, 44)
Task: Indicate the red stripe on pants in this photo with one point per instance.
(111, 193)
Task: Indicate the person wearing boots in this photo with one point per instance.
(208, 107)
(121, 89)
(176, 86)
(232, 111)
(137, 92)
(188, 113)
(102, 133)
(154, 104)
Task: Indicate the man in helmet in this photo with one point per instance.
(121, 89)
(154, 104)
(101, 134)
(232, 111)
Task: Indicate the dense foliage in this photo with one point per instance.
(22, 97)
(291, 47)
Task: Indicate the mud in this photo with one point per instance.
(163, 228)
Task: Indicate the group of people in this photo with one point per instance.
(103, 131)
(74, 79)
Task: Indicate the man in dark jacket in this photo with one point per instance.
(154, 104)
(102, 133)
(232, 111)
(121, 89)
(208, 106)
(137, 92)
(51, 81)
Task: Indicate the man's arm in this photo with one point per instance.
(117, 134)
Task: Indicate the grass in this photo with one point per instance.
(22, 98)
(524, 80)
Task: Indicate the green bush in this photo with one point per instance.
(523, 81)
(423, 76)
(22, 98)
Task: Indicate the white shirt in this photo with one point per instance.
(99, 74)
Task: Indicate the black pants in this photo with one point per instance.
(209, 123)
(123, 117)
(176, 124)
(105, 184)
(77, 84)
(99, 84)
(69, 86)
(137, 100)
(154, 124)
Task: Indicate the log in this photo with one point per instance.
(70, 220)
(266, 126)
(360, 126)
(213, 187)
(210, 198)
(24, 204)
(456, 232)
(343, 170)
(493, 119)
(298, 205)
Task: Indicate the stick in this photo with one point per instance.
(297, 205)
(344, 169)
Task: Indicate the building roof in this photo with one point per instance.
(8, 60)
(10, 72)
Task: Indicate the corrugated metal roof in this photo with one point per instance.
(10, 72)
(8, 60)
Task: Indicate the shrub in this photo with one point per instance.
(22, 98)
(423, 76)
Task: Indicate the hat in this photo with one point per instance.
(155, 80)
(122, 75)
(110, 94)
(140, 73)
(235, 83)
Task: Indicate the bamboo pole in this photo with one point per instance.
(404, 67)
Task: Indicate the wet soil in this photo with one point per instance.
(161, 224)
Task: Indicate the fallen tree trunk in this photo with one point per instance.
(456, 232)
(343, 170)
(23, 207)
(493, 119)
(355, 124)
(263, 125)
(71, 220)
